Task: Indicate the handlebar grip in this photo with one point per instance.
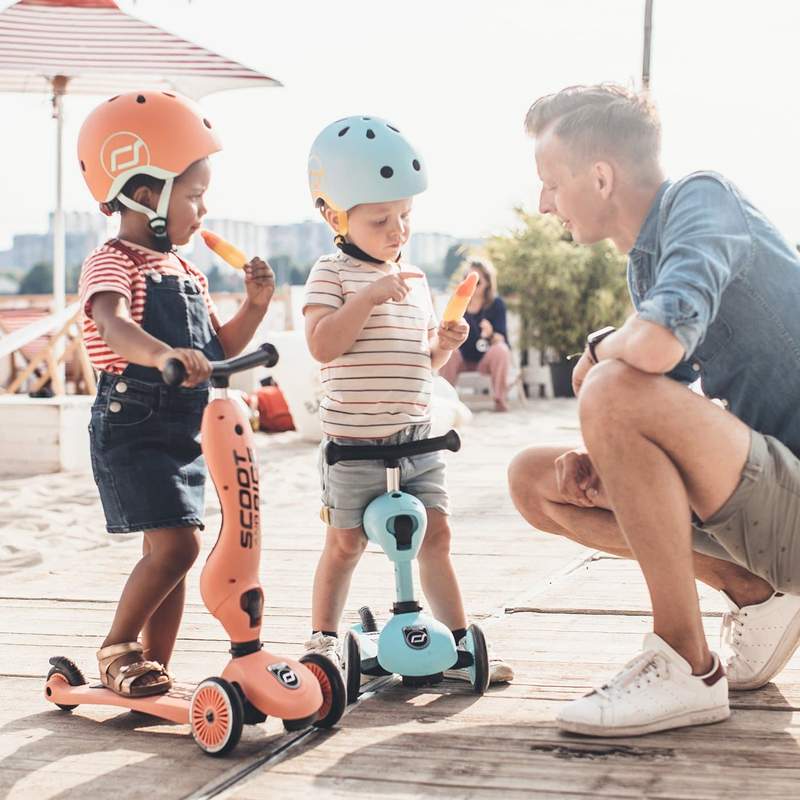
(334, 453)
(174, 373)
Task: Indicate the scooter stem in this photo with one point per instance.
(403, 581)
(229, 583)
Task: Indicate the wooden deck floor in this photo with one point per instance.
(563, 618)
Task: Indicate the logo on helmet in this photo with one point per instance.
(123, 151)
(316, 172)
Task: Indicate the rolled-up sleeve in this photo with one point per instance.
(705, 242)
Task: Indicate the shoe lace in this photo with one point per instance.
(325, 645)
(642, 669)
(732, 631)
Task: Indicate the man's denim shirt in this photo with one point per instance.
(712, 269)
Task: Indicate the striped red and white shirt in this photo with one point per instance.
(383, 383)
(107, 269)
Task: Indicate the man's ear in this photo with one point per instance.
(604, 178)
(146, 196)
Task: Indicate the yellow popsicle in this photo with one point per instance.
(458, 303)
(233, 255)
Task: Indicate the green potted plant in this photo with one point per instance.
(560, 290)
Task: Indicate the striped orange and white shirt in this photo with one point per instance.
(107, 269)
(383, 383)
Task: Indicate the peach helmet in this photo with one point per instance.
(151, 133)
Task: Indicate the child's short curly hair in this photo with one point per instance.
(603, 120)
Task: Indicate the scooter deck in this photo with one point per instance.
(172, 706)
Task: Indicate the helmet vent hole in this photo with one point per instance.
(206, 123)
(168, 94)
(141, 99)
(112, 99)
(366, 119)
(387, 172)
(392, 128)
(343, 131)
(415, 164)
(83, 166)
(370, 133)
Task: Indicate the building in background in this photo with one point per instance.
(291, 249)
(85, 230)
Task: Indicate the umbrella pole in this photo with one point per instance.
(59, 234)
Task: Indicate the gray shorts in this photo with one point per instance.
(759, 525)
(349, 486)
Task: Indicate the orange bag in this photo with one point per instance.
(273, 412)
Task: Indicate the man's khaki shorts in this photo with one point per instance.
(759, 525)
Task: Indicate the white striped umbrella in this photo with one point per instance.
(92, 47)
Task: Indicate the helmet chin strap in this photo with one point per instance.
(157, 219)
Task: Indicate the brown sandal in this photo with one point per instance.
(123, 682)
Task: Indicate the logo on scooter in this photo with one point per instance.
(416, 636)
(285, 675)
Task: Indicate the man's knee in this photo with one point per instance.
(611, 391)
(528, 473)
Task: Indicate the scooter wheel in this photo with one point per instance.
(216, 716)
(352, 666)
(334, 696)
(479, 671)
(69, 672)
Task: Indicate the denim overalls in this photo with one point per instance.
(144, 435)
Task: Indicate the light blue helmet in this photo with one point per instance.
(363, 160)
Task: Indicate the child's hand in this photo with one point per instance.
(198, 368)
(259, 281)
(390, 287)
(453, 334)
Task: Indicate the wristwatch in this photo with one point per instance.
(594, 339)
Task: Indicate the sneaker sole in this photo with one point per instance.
(682, 720)
(785, 650)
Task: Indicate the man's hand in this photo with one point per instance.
(578, 482)
(580, 371)
(452, 335)
(390, 287)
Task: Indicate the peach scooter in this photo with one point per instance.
(255, 683)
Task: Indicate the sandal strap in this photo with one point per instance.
(106, 656)
(129, 673)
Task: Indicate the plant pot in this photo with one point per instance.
(561, 376)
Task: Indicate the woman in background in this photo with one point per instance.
(486, 349)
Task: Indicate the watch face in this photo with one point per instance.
(597, 336)
(482, 345)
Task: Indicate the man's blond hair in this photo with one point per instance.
(604, 121)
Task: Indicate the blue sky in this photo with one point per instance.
(458, 76)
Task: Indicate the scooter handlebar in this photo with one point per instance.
(390, 452)
(174, 373)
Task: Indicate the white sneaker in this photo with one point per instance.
(654, 692)
(758, 640)
(499, 671)
(326, 646)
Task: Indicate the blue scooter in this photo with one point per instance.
(411, 644)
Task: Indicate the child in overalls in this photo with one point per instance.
(145, 155)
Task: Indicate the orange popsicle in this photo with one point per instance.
(458, 303)
(233, 255)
